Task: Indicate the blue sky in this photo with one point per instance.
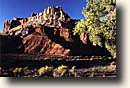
(23, 8)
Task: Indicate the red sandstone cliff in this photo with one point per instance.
(48, 32)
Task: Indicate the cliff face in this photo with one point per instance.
(49, 33)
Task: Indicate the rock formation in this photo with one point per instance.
(48, 33)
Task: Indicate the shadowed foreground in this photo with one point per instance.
(69, 66)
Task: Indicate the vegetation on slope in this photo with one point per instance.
(100, 23)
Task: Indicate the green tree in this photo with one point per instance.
(99, 23)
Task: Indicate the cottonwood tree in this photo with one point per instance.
(99, 23)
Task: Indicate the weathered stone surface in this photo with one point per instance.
(47, 33)
(37, 43)
(66, 33)
(6, 26)
(83, 37)
(9, 24)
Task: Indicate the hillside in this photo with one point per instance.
(49, 32)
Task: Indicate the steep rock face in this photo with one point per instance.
(9, 24)
(37, 43)
(83, 37)
(48, 33)
(39, 33)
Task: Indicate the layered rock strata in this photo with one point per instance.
(48, 33)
